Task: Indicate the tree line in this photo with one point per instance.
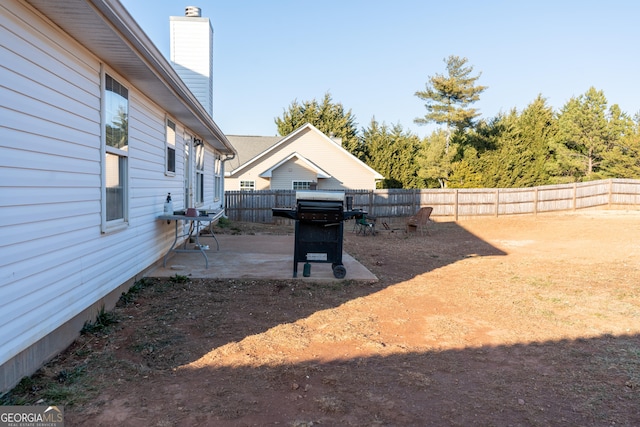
(585, 140)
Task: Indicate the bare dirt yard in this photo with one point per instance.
(519, 321)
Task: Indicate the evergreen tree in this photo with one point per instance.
(435, 161)
(392, 152)
(449, 97)
(329, 117)
(511, 150)
(522, 147)
(584, 134)
(622, 160)
(538, 126)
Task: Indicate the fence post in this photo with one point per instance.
(497, 201)
(610, 192)
(455, 204)
(575, 195)
(535, 201)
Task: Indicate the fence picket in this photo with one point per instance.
(255, 206)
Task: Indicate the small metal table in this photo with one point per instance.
(195, 226)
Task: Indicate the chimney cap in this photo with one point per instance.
(192, 11)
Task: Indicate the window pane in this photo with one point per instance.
(247, 185)
(171, 146)
(199, 187)
(217, 177)
(171, 159)
(301, 185)
(217, 183)
(116, 114)
(200, 157)
(116, 178)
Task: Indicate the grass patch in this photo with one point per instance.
(65, 388)
(224, 222)
(104, 320)
(178, 278)
(130, 296)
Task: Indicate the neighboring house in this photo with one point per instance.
(96, 128)
(304, 159)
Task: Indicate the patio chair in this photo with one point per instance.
(366, 225)
(420, 220)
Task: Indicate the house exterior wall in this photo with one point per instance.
(57, 267)
(346, 171)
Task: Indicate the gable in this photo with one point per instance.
(290, 171)
(296, 158)
(311, 144)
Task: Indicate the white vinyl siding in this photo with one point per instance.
(50, 170)
(54, 259)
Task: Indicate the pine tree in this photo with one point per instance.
(449, 97)
(435, 162)
(584, 135)
(622, 159)
(329, 117)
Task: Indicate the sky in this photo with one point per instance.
(372, 56)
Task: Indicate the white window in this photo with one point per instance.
(170, 148)
(247, 185)
(115, 106)
(301, 185)
(217, 177)
(199, 152)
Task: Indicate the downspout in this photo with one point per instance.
(224, 199)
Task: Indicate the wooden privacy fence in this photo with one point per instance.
(255, 206)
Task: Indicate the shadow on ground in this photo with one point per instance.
(244, 352)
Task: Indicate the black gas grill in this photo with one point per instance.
(319, 227)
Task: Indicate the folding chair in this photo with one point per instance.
(366, 225)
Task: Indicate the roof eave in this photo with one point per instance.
(126, 48)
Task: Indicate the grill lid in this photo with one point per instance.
(320, 195)
(320, 210)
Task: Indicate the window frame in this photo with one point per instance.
(301, 181)
(217, 177)
(199, 160)
(107, 151)
(251, 187)
(171, 137)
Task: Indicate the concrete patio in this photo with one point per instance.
(253, 257)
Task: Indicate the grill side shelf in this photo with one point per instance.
(285, 212)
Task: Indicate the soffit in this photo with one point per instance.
(109, 32)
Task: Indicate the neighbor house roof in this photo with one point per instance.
(249, 147)
(108, 30)
(269, 144)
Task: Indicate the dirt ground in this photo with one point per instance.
(519, 321)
